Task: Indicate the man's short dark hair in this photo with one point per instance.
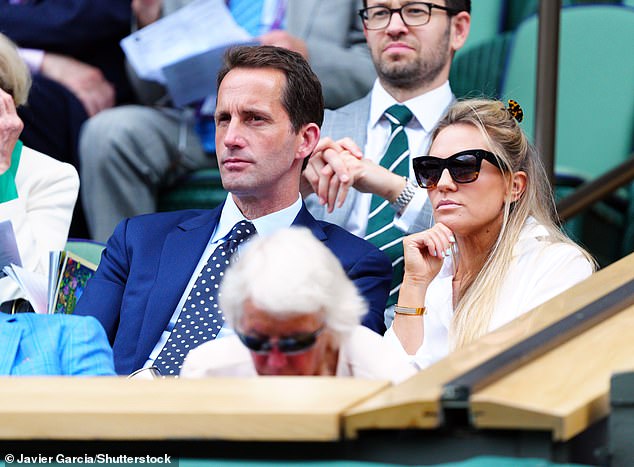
(302, 96)
(459, 5)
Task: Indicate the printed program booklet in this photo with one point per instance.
(68, 276)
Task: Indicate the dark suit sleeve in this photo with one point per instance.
(104, 293)
(66, 26)
(372, 275)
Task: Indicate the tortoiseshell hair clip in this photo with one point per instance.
(515, 110)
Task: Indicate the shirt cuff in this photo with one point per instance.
(33, 58)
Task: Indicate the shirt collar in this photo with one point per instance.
(265, 225)
(428, 108)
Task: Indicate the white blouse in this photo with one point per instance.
(539, 271)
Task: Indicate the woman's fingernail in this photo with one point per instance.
(452, 238)
(448, 251)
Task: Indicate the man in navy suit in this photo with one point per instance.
(268, 112)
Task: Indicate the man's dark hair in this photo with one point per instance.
(459, 5)
(302, 97)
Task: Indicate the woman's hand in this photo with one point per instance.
(424, 252)
(10, 129)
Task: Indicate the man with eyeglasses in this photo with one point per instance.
(360, 175)
(293, 318)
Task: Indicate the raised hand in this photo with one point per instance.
(283, 39)
(10, 129)
(335, 166)
(424, 253)
(146, 11)
(85, 81)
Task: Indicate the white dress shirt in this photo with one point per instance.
(538, 271)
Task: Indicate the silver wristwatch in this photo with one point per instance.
(405, 197)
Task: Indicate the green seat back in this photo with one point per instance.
(87, 249)
(486, 22)
(478, 71)
(595, 102)
(201, 189)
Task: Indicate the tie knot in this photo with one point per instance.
(241, 231)
(399, 114)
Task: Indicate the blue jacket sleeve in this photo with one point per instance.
(104, 293)
(372, 275)
(85, 350)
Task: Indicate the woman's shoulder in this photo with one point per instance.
(537, 239)
(35, 165)
(36, 160)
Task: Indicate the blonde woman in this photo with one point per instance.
(495, 250)
(37, 193)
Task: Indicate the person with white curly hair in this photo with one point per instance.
(294, 312)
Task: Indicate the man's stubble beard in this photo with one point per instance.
(421, 72)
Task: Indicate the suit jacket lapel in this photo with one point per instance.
(10, 335)
(305, 219)
(181, 252)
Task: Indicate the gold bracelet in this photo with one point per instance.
(404, 310)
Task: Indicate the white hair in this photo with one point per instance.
(289, 273)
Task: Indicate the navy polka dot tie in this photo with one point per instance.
(201, 318)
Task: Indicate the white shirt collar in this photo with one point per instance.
(265, 225)
(428, 108)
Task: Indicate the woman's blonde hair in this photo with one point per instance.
(15, 78)
(514, 152)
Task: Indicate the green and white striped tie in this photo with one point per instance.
(381, 231)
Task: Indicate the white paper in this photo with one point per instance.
(201, 26)
(53, 267)
(9, 253)
(33, 284)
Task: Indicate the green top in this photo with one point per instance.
(8, 190)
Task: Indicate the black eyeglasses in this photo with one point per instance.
(297, 343)
(464, 167)
(412, 14)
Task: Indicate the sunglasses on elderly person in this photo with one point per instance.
(464, 167)
(294, 344)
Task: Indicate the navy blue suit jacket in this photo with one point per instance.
(150, 259)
